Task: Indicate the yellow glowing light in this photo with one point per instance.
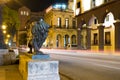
(3, 27)
(48, 9)
(4, 31)
(6, 42)
(8, 36)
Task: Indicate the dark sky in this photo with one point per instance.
(34, 5)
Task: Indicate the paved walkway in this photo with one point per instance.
(11, 72)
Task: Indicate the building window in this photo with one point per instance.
(58, 40)
(109, 20)
(66, 40)
(24, 12)
(59, 22)
(73, 39)
(93, 3)
(21, 12)
(74, 24)
(95, 21)
(78, 9)
(107, 38)
(27, 13)
(66, 22)
(95, 39)
(78, 5)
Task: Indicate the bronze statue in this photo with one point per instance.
(39, 32)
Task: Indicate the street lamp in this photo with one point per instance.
(2, 44)
(4, 31)
(8, 36)
(6, 41)
(3, 26)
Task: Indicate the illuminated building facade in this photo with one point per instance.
(62, 32)
(27, 19)
(98, 23)
(24, 15)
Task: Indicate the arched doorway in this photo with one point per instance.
(73, 39)
(93, 24)
(58, 41)
(109, 33)
(81, 30)
(66, 40)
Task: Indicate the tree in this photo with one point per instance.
(23, 39)
(2, 43)
(11, 20)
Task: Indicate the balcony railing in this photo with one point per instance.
(63, 27)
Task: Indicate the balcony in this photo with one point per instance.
(64, 27)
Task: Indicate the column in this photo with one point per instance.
(88, 38)
(117, 36)
(79, 38)
(101, 37)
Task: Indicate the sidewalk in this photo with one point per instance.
(11, 72)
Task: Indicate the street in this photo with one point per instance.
(86, 66)
(59, 40)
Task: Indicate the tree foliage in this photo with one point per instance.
(11, 20)
(23, 39)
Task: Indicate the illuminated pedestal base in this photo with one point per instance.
(38, 69)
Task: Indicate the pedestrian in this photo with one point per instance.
(30, 46)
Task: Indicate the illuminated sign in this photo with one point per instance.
(60, 6)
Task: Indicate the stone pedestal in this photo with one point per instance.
(38, 69)
(41, 56)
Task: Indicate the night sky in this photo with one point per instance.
(34, 5)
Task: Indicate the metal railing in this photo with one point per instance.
(63, 27)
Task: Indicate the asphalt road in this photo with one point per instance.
(79, 66)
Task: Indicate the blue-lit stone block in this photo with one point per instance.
(41, 56)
